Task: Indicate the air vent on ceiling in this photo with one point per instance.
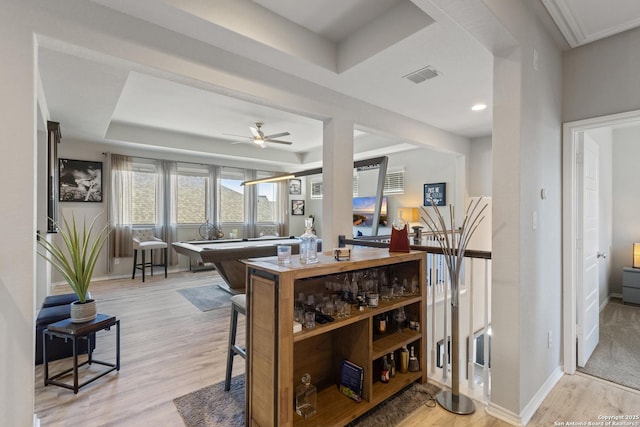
(422, 74)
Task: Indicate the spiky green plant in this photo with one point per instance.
(75, 258)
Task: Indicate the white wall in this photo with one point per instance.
(421, 166)
(601, 78)
(17, 224)
(527, 276)
(625, 201)
(480, 177)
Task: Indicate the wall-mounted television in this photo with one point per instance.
(363, 209)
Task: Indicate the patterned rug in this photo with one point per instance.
(207, 298)
(213, 407)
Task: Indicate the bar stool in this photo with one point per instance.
(143, 240)
(238, 305)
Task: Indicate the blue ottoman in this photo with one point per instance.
(53, 300)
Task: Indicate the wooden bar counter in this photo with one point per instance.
(277, 358)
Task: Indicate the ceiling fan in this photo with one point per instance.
(260, 138)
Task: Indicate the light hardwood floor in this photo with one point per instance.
(170, 348)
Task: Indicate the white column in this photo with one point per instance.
(337, 173)
(17, 223)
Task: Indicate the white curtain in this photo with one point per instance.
(120, 201)
(167, 205)
(251, 205)
(282, 207)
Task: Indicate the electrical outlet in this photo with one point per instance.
(116, 261)
(549, 339)
(534, 220)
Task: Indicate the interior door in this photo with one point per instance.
(588, 327)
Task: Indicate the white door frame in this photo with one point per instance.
(570, 136)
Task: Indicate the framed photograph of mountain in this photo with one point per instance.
(80, 181)
(436, 192)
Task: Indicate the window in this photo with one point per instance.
(192, 184)
(394, 182)
(143, 198)
(267, 200)
(316, 188)
(231, 207)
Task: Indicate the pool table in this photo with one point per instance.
(225, 255)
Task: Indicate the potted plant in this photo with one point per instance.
(75, 258)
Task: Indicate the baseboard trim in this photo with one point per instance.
(528, 412)
(604, 303)
(539, 397)
(503, 414)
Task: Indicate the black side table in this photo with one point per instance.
(75, 331)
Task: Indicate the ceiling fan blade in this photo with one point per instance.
(279, 142)
(238, 136)
(277, 135)
(255, 132)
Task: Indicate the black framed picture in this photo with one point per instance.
(295, 186)
(436, 192)
(80, 181)
(297, 207)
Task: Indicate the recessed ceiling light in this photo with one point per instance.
(479, 107)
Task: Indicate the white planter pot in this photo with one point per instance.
(83, 312)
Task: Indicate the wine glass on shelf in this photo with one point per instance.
(400, 317)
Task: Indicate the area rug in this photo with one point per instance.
(207, 298)
(213, 407)
(615, 358)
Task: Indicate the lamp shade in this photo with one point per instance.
(408, 214)
(636, 255)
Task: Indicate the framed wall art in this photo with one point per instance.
(297, 207)
(436, 192)
(295, 186)
(80, 181)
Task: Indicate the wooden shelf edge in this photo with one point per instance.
(387, 344)
(356, 316)
(382, 391)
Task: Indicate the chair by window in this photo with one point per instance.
(143, 240)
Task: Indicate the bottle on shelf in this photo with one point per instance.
(392, 366)
(306, 397)
(382, 324)
(414, 363)
(308, 244)
(384, 373)
(404, 360)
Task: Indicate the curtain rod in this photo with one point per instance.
(181, 161)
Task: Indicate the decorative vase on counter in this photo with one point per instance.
(308, 244)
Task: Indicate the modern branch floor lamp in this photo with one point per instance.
(453, 251)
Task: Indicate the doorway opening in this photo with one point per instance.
(573, 286)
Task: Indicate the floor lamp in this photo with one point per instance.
(453, 251)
